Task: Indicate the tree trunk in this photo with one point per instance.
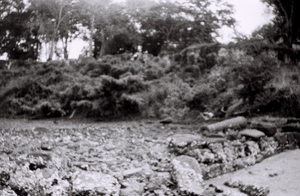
(66, 53)
(91, 36)
(51, 52)
(103, 44)
(233, 123)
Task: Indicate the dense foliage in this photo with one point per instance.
(156, 87)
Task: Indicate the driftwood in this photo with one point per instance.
(233, 123)
(233, 108)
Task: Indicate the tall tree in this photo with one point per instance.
(173, 25)
(56, 21)
(287, 14)
(18, 38)
(106, 20)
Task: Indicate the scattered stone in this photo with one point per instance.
(217, 188)
(273, 175)
(7, 192)
(252, 148)
(4, 178)
(212, 171)
(252, 133)
(40, 130)
(233, 183)
(46, 147)
(253, 190)
(188, 175)
(96, 183)
(133, 188)
(157, 180)
(167, 120)
(268, 145)
(182, 140)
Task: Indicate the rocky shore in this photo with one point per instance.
(141, 158)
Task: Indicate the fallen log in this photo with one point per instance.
(239, 122)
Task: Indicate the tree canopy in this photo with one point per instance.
(113, 28)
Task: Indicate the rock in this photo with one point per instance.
(268, 145)
(281, 139)
(38, 160)
(7, 192)
(157, 180)
(233, 123)
(96, 183)
(238, 164)
(249, 160)
(268, 128)
(136, 171)
(251, 190)
(297, 138)
(202, 155)
(40, 130)
(46, 147)
(233, 183)
(167, 120)
(252, 148)
(254, 190)
(252, 133)
(4, 178)
(182, 140)
(188, 175)
(212, 140)
(292, 127)
(133, 188)
(212, 171)
(218, 189)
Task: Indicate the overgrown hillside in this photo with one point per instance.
(226, 82)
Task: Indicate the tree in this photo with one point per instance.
(56, 20)
(107, 22)
(18, 38)
(173, 26)
(287, 13)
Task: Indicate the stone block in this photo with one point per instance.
(95, 182)
(188, 175)
(252, 133)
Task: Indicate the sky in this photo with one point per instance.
(249, 14)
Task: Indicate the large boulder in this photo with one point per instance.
(188, 175)
(87, 182)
